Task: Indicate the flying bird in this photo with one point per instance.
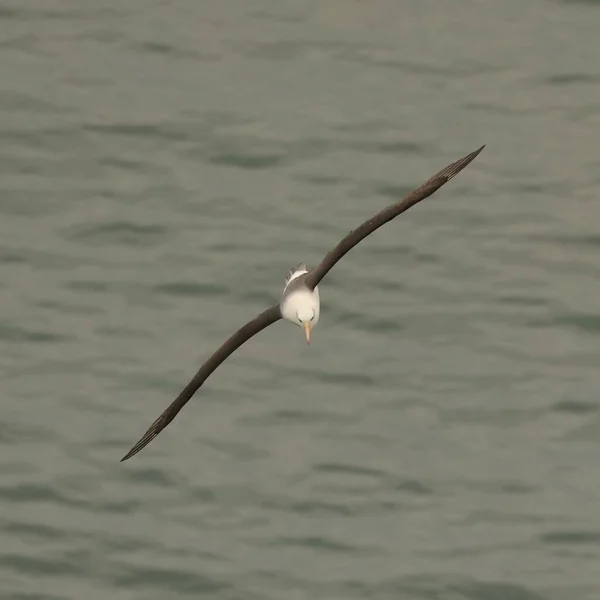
(299, 301)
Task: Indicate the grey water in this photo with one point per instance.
(163, 164)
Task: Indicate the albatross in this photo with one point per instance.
(299, 301)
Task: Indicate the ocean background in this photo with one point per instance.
(163, 164)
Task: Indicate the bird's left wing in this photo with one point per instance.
(433, 184)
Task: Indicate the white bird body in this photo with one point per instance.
(299, 304)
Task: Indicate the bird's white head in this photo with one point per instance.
(300, 305)
(302, 309)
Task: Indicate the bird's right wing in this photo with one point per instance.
(266, 318)
(433, 184)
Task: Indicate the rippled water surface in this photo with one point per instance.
(164, 164)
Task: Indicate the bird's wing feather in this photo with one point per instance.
(266, 318)
(301, 267)
(387, 214)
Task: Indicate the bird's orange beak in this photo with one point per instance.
(307, 331)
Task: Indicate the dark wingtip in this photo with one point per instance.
(477, 152)
(128, 455)
(154, 430)
(456, 167)
(471, 156)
